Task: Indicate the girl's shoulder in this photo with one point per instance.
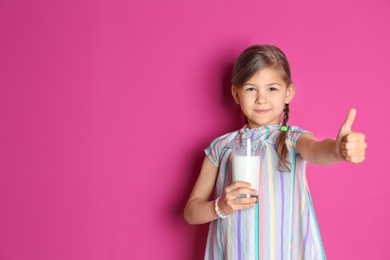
(225, 139)
(294, 133)
(296, 130)
(216, 150)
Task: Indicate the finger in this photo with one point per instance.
(353, 145)
(347, 126)
(352, 153)
(237, 192)
(233, 204)
(243, 201)
(354, 137)
(355, 159)
(349, 153)
(236, 185)
(244, 206)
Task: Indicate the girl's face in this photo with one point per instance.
(262, 98)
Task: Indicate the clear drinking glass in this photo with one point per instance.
(246, 163)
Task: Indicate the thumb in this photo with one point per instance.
(346, 128)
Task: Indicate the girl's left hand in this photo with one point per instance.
(351, 145)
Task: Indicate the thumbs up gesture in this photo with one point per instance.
(351, 145)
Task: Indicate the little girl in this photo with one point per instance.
(282, 223)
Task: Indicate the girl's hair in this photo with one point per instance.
(252, 60)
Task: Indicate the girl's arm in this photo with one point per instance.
(349, 146)
(200, 210)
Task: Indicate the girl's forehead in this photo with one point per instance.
(267, 74)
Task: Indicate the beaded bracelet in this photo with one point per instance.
(219, 214)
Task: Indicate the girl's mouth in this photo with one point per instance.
(261, 111)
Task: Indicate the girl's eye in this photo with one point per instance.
(250, 89)
(272, 89)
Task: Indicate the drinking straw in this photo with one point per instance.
(248, 147)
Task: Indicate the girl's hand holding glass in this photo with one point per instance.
(229, 201)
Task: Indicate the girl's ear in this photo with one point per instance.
(235, 94)
(290, 93)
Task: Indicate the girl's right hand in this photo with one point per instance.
(229, 203)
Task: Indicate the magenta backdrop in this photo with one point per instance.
(106, 106)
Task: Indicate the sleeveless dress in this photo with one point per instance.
(283, 224)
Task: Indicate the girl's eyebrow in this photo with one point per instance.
(273, 84)
(250, 84)
(267, 85)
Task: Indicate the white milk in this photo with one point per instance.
(247, 168)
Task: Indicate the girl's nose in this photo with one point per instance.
(261, 98)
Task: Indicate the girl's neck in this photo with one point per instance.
(260, 126)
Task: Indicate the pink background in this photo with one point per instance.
(106, 107)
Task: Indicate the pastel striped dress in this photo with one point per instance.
(283, 224)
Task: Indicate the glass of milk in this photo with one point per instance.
(246, 163)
